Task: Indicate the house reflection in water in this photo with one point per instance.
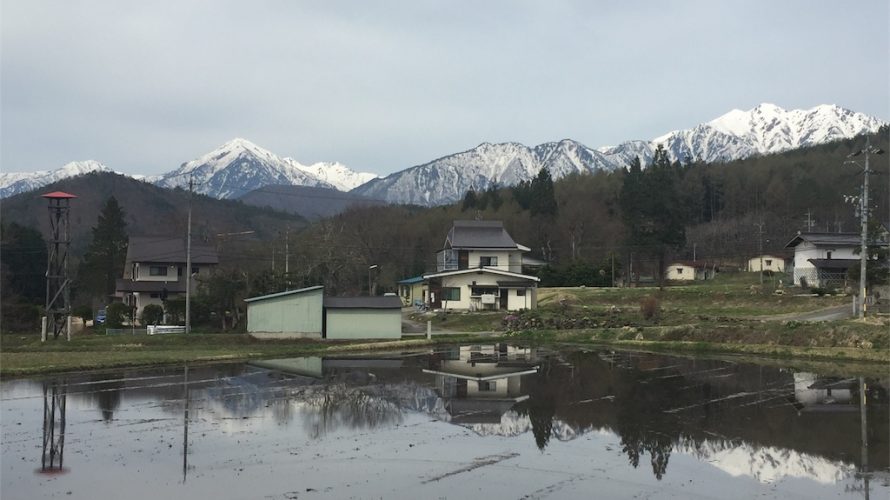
(480, 383)
(814, 393)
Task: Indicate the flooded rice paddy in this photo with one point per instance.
(483, 421)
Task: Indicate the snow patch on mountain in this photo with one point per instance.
(334, 173)
(13, 183)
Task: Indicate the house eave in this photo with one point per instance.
(481, 270)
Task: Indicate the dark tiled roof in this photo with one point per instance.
(125, 285)
(479, 234)
(826, 239)
(385, 302)
(834, 263)
(167, 249)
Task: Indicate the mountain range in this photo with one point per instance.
(738, 134)
(239, 166)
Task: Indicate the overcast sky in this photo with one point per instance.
(143, 86)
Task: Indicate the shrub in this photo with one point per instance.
(116, 314)
(83, 312)
(152, 314)
(650, 307)
(20, 317)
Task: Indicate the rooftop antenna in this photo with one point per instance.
(58, 283)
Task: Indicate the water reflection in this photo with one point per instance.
(744, 420)
(55, 399)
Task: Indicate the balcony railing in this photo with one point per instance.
(446, 260)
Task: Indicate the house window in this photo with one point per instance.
(451, 293)
(157, 271)
(679, 270)
(520, 292)
(769, 262)
(155, 295)
(829, 255)
(488, 386)
(477, 291)
(488, 261)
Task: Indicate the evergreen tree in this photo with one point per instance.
(107, 253)
(23, 257)
(653, 210)
(543, 197)
(469, 201)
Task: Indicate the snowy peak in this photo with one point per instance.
(334, 173)
(765, 129)
(240, 166)
(447, 179)
(13, 183)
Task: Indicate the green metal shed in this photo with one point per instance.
(363, 317)
(295, 313)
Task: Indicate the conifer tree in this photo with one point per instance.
(105, 257)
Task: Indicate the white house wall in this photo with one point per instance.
(465, 283)
(680, 273)
(770, 263)
(503, 258)
(515, 302)
(805, 251)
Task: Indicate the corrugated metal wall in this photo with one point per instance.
(364, 323)
(299, 313)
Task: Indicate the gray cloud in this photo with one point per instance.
(144, 86)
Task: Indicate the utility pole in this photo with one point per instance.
(370, 268)
(188, 263)
(760, 248)
(287, 258)
(810, 221)
(863, 214)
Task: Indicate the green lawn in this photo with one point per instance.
(25, 354)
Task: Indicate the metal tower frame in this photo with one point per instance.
(58, 283)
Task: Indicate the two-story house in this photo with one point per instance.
(480, 268)
(155, 270)
(822, 259)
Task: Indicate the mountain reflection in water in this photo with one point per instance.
(745, 419)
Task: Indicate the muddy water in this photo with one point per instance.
(490, 421)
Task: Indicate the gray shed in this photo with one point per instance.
(363, 317)
(295, 313)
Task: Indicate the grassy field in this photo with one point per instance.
(25, 354)
(729, 314)
(729, 297)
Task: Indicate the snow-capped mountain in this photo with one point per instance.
(240, 166)
(447, 179)
(13, 183)
(334, 173)
(235, 168)
(763, 130)
(738, 134)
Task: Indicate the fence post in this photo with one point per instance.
(429, 329)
